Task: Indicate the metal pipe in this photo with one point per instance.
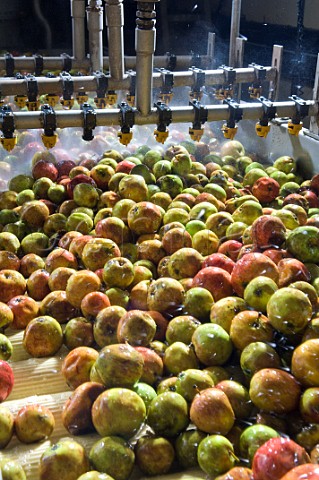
(12, 86)
(114, 17)
(145, 35)
(110, 117)
(95, 26)
(234, 31)
(78, 29)
(170, 62)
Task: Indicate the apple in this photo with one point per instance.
(276, 457)
(6, 380)
(275, 390)
(302, 472)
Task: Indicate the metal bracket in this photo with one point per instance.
(89, 121)
(38, 65)
(9, 62)
(166, 93)
(66, 62)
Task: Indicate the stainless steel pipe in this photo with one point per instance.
(94, 12)
(27, 64)
(114, 17)
(12, 86)
(111, 117)
(78, 29)
(234, 31)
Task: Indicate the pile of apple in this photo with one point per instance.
(183, 282)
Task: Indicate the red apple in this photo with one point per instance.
(276, 457)
(249, 266)
(302, 472)
(216, 280)
(6, 380)
(219, 260)
(230, 248)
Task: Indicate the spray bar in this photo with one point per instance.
(169, 61)
(111, 117)
(18, 86)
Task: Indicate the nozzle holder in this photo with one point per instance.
(32, 88)
(302, 109)
(101, 88)
(168, 80)
(200, 114)
(7, 121)
(66, 62)
(127, 116)
(235, 112)
(199, 80)
(48, 119)
(67, 90)
(171, 61)
(9, 64)
(38, 65)
(89, 121)
(164, 116)
(269, 111)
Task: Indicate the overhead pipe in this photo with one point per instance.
(114, 17)
(145, 39)
(234, 31)
(110, 117)
(94, 13)
(168, 61)
(78, 30)
(12, 86)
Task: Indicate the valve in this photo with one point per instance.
(166, 93)
(164, 119)
(196, 93)
(32, 88)
(102, 82)
(111, 98)
(229, 129)
(302, 111)
(67, 101)
(226, 90)
(269, 112)
(8, 139)
(130, 97)
(127, 120)
(89, 121)
(200, 117)
(255, 88)
(48, 118)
